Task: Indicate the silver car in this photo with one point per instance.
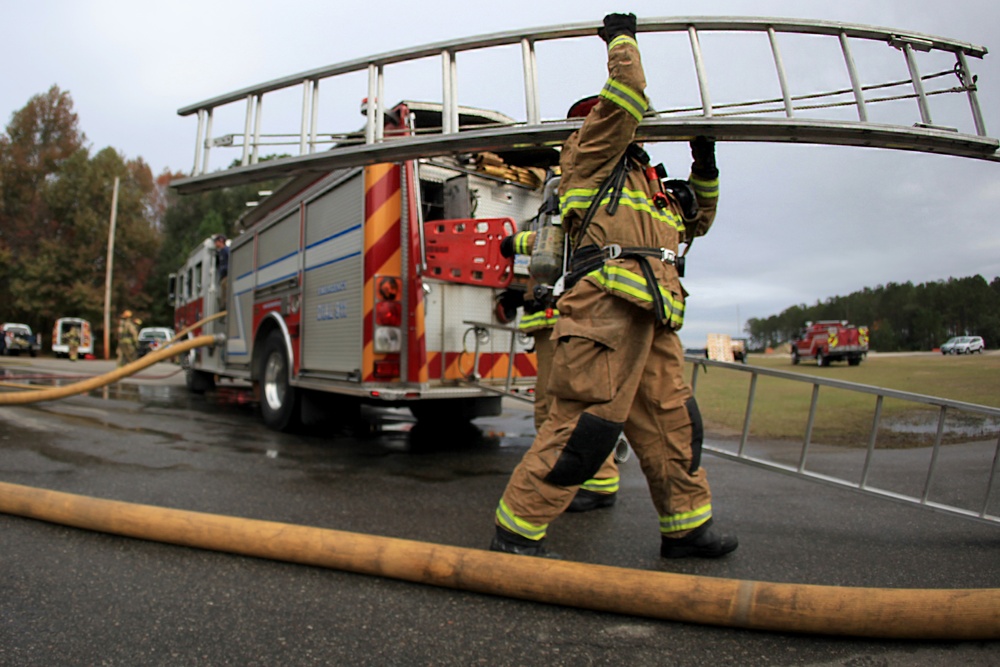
(963, 345)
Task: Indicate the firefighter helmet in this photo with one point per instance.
(126, 314)
(582, 107)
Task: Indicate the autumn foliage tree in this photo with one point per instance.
(55, 206)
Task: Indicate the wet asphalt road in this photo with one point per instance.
(71, 597)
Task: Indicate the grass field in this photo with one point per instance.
(781, 407)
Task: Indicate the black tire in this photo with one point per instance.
(198, 382)
(821, 360)
(854, 361)
(278, 398)
(795, 357)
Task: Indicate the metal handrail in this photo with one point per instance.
(535, 130)
(881, 393)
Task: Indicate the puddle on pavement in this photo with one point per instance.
(956, 424)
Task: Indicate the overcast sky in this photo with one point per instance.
(796, 224)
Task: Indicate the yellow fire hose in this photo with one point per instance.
(41, 393)
(956, 614)
(53, 393)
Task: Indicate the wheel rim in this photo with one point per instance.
(275, 381)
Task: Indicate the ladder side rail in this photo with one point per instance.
(679, 24)
(779, 66)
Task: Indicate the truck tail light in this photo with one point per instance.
(388, 334)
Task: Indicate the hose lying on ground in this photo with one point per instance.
(956, 614)
(53, 393)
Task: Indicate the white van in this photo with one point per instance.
(60, 336)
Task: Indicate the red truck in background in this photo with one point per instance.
(831, 340)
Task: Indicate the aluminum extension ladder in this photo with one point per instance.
(811, 117)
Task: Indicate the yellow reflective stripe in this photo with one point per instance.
(522, 245)
(685, 520)
(628, 99)
(514, 524)
(705, 188)
(581, 198)
(536, 320)
(617, 279)
(609, 485)
(622, 39)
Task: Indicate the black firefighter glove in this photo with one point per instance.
(617, 24)
(507, 247)
(508, 302)
(703, 154)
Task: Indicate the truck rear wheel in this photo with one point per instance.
(278, 398)
(821, 360)
(795, 357)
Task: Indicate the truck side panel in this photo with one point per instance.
(333, 280)
(241, 288)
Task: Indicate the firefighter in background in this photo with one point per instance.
(73, 341)
(127, 339)
(539, 318)
(618, 361)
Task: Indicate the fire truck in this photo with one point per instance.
(831, 340)
(375, 284)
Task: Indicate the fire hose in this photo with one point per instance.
(948, 614)
(52, 393)
(174, 346)
(951, 614)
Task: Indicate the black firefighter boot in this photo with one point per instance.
(702, 542)
(585, 501)
(512, 543)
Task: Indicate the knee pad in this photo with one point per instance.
(697, 434)
(590, 444)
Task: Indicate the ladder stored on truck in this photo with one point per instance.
(842, 115)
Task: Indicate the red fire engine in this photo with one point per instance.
(831, 340)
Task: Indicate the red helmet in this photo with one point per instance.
(582, 107)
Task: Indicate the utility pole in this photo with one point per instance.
(107, 278)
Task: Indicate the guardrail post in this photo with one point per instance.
(256, 129)
(208, 139)
(304, 128)
(313, 116)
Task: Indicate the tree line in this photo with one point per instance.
(55, 212)
(900, 316)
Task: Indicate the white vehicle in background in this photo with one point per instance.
(60, 336)
(963, 345)
(18, 338)
(153, 338)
